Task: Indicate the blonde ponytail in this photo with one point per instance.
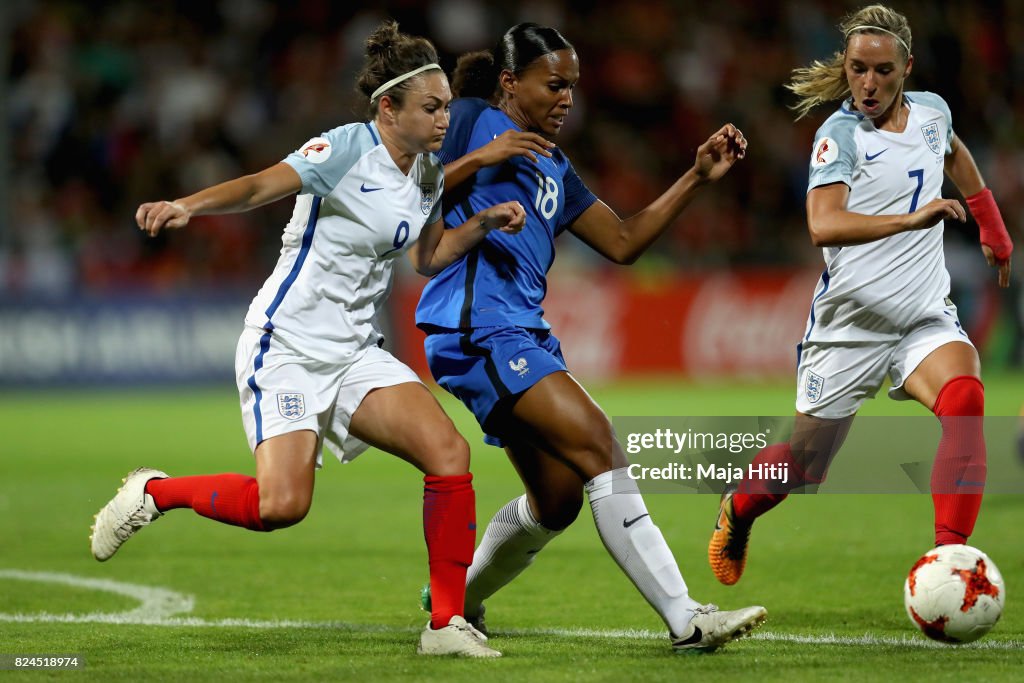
(818, 83)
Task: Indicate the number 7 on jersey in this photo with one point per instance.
(919, 174)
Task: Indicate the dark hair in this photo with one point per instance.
(476, 73)
(390, 53)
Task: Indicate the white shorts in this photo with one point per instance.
(282, 391)
(835, 378)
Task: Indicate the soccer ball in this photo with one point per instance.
(954, 594)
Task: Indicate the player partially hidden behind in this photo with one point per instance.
(489, 345)
(881, 306)
(309, 364)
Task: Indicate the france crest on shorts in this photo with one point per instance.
(931, 136)
(291, 406)
(426, 198)
(813, 387)
(519, 366)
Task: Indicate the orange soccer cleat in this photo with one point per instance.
(727, 551)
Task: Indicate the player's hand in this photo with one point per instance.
(717, 155)
(936, 210)
(1004, 266)
(514, 143)
(155, 216)
(509, 217)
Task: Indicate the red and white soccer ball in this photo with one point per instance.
(954, 594)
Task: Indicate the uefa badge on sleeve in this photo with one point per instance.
(317, 150)
(826, 150)
(291, 406)
(931, 136)
(426, 198)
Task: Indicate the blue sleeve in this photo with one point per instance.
(834, 155)
(578, 198)
(323, 161)
(930, 99)
(464, 114)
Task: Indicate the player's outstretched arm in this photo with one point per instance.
(995, 240)
(831, 225)
(623, 241)
(502, 148)
(438, 248)
(233, 196)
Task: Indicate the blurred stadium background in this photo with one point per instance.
(113, 103)
(110, 104)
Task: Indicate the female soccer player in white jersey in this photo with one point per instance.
(881, 306)
(309, 364)
(489, 345)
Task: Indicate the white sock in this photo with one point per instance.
(509, 544)
(637, 545)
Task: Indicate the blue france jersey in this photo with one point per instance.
(502, 281)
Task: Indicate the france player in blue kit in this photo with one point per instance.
(488, 344)
(497, 291)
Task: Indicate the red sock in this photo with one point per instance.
(449, 526)
(752, 500)
(229, 498)
(958, 476)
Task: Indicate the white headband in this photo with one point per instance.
(883, 30)
(398, 79)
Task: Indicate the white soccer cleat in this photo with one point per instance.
(127, 512)
(457, 638)
(712, 628)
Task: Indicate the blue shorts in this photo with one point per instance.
(484, 365)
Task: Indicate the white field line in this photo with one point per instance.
(159, 605)
(154, 603)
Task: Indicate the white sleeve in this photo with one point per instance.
(834, 155)
(323, 161)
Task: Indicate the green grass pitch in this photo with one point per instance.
(335, 598)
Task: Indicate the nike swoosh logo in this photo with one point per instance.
(872, 157)
(626, 524)
(364, 188)
(695, 638)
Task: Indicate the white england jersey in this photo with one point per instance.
(875, 291)
(356, 213)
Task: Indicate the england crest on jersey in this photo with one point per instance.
(931, 136)
(426, 198)
(813, 387)
(291, 406)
